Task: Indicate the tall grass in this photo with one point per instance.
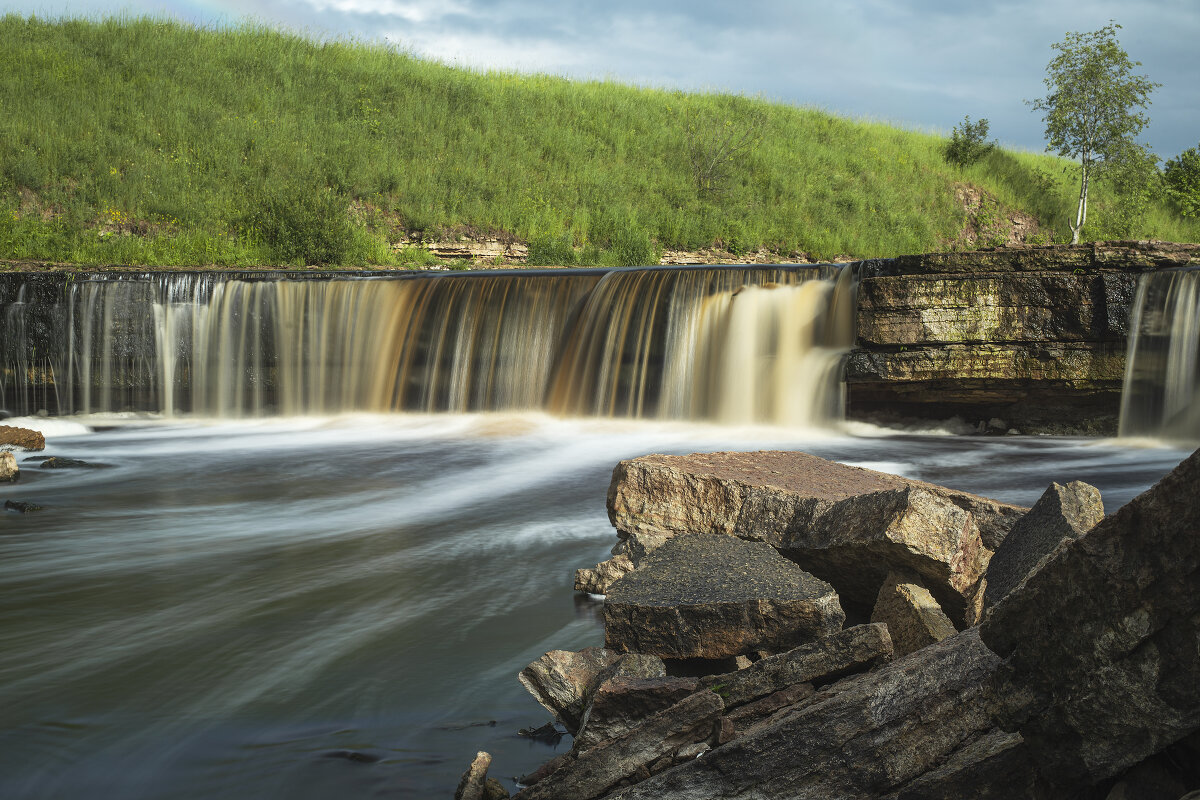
(144, 141)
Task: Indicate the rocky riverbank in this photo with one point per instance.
(1075, 673)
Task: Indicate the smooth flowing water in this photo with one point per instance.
(233, 607)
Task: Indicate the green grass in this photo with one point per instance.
(141, 141)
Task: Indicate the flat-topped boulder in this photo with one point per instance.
(847, 525)
(24, 438)
(711, 597)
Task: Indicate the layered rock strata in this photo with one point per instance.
(1034, 337)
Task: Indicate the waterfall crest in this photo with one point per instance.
(745, 344)
(1161, 394)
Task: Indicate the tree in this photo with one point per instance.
(968, 143)
(1091, 110)
(1182, 176)
(716, 143)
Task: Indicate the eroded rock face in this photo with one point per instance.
(1100, 644)
(22, 437)
(9, 471)
(621, 704)
(846, 525)
(562, 681)
(713, 597)
(864, 737)
(913, 617)
(1062, 512)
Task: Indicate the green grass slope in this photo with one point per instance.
(146, 142)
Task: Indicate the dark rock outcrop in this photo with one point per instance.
(913, 617)
(1101, 664)
(1062, 512)
(863, 737)
(651, 746)
(621, 704)
(24, 438)
(714, 597)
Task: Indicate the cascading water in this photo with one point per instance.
(739, 344)
(1161, 395)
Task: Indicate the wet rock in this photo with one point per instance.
(863, 737)
(855, 649)
(846, 525)
(356, 756)
(24, 438)
(599, 578)
(21, 506)
(546, 734)
(593, 772)
(1101, 665)
(494, 790)
(711, 597)
(621, 704)
(471, 786)
(913, 617)
(9, 471)
(563, 680)
(1062, 512)
(58, 462)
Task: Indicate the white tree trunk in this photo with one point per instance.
(1081, 212)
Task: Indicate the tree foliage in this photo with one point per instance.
(1182, 177)
(1092, 109)
(968, 143)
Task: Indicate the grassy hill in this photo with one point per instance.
(144, 141)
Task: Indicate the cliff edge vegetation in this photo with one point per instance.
(143, 141)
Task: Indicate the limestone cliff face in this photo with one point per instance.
(1031, 336)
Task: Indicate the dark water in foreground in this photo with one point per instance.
(229, 603)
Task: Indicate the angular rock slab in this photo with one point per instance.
(846, 525)
(9, 471)
(913, 617)
(562, 681)
(1062, 512)
(859, 739)
(700, 596)
(1102, 661)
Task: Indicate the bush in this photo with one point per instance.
(968, 143)
(300, 225)
(631, 246)
(1182, 177)
(546, 250)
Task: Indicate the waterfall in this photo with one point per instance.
(1161, 395)
(743, 344)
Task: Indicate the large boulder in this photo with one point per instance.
(562, 681)
(846, 525)
(867, 736)
(913, 617)
(714, 597)
(9, 471)
(1101, 663)
(24, 438)
(1062, 512)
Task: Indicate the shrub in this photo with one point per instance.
(300, 225)
(968, 143)
(1182, 177)
(546, 250)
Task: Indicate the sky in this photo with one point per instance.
(920, 64)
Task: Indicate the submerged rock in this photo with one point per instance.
(58, 462)
(913, 617)
(24, 438)
(1102, 667)
(714, 597)
(563, 680)
(21, 506)
(9, 471)
(1062, 512)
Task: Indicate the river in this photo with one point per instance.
(232, 608)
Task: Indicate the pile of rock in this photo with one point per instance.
(1010, 653)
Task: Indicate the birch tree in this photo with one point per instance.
(1093, 105)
